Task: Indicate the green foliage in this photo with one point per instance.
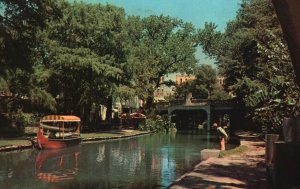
(27, 119)
(270, 105)
(237, 150)
(157, 124)
(19, 23)
(83, 62)
(13, 125)
(42, 99)
(218, 93)
(209, 39)
(125, 92)
(205, 82)
(204, 86)
(246, 86)
(158, 45)
(3, 85)
(71, 57)
(253, 57)
(182, 90)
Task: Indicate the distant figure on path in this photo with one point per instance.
(222, 135)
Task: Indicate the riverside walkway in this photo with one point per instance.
(22, 143)
(244, 170)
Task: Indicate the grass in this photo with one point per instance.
(237, 150)
(110, 134)
(107, 134)
(14, 142)
(97, 135)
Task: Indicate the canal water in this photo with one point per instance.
(150, 161)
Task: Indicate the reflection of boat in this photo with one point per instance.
(58, 131)
(57, 165)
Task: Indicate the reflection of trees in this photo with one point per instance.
(17, 169)
(140, 162)
(101, 154)
(128, 156)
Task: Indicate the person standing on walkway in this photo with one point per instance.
(222, 136)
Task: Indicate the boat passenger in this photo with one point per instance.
(52, 135)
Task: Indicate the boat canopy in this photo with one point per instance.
(60, 118)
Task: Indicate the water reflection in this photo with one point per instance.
(57, 165)
(100, 154)
(168, 166)
(7, 174)
(151, 161)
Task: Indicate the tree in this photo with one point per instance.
(205, 82)
(204, 86)
(19, 23)
(253, 57)
(160, 45)
(184, 89)
(84, 54)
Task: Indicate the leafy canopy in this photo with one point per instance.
(253, 57)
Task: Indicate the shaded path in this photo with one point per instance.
(245, 170)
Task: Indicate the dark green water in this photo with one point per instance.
(151, 161)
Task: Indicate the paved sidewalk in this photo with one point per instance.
(245, 170)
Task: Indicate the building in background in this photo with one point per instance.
(180, 79)
(220, 81)
(163, 92)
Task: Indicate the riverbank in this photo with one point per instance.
(21, 143)
(243, 170)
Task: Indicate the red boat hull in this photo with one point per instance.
(45, 143)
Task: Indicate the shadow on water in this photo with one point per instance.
(211, 139)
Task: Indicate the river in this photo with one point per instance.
(150, 161)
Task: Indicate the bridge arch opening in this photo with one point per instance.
(189, 119)
(202, 119)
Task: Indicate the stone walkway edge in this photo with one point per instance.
(243, 170)
(84, 140)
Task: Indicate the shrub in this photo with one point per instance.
(157, 124)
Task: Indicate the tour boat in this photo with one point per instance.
(58, 131)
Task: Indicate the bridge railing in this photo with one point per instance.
(177, 102)
(200, 101)
(229, 102)
(195, 101)
(162, 105)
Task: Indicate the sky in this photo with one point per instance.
(195, 11)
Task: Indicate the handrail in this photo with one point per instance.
(196, 101)
(54, 128)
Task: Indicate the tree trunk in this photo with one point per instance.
(109, 108)
(149, 103)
